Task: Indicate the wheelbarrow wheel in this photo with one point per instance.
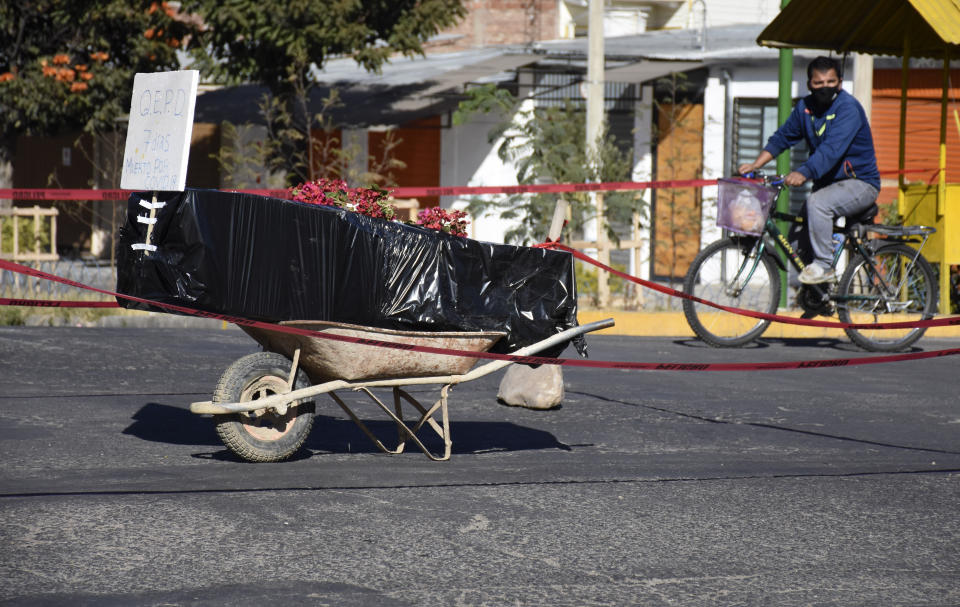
(262, 435)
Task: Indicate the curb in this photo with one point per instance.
(673, 324)
(159, 320)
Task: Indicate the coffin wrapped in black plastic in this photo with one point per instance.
(272, 260)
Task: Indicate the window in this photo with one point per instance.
(754, 121)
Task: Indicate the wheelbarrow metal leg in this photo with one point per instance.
(408, 432)
(398, 407)
(363, 426)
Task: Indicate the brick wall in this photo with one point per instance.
(491, 22)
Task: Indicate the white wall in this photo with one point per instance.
(714, 138)
(467, 159)
(643, 171)
(724, 12)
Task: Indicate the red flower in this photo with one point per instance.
(437, 218)
(373, 202)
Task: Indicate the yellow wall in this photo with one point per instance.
(919, 206)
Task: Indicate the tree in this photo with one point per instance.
(548, 144)
(66, 64)
(280, 43)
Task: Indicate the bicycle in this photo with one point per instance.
(885, 277)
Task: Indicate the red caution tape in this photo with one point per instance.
(532, 360)
(948, 321)
(408, 192)
(56, 303)
(66, 194)
(400, 192)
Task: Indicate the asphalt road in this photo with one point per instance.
(836, 486)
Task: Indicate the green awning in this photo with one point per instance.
(876, 27)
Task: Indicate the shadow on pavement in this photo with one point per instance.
(790, 342)
(161, 423)
(157, 422)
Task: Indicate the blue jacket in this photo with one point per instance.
(840, 142)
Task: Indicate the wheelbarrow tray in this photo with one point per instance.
(326, 359)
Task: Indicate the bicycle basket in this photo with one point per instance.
(743, 206)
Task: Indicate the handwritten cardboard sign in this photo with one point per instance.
(159, 131)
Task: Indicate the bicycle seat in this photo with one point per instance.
(865, 216)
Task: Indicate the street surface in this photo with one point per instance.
(812, 487)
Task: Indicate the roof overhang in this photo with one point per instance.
(876, 27)
(645, 71)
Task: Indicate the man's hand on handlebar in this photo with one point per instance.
(795, 179)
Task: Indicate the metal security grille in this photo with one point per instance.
(754, 121)
(555, 88)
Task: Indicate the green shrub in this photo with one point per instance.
(587, 283)
(11, 316)
(25, 234)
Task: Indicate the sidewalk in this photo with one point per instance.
(641, 324)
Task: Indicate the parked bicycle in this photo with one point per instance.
(885, 279)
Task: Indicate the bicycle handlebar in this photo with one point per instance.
(774, 180)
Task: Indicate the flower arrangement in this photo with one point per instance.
(335, 193)
(437, 218)
(373, 203)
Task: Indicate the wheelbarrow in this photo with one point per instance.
(264, 407)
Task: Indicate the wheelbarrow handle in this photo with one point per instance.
(535, 348)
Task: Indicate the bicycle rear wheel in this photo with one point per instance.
(892, 290)
(727, 272)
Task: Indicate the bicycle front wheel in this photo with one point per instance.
(894, 288)
(729, 273)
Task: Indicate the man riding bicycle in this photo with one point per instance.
(842, 162)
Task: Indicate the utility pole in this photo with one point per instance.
(595, 103)
(863, 82)
(784, 107)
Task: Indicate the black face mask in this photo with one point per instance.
(824, 96)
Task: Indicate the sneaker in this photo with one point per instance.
(815, 274)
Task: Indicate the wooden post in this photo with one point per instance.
(942, 185)
(559, 219)
(153, 218)
(603, 255)
(944, 107)
(902, 159)
(53, 233)
(36, 230)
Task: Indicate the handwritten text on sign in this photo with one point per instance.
(158, 135)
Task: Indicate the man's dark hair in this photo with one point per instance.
(824, 64)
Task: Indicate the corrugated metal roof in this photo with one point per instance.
(878, 27)
(722, 42)
(943, 16)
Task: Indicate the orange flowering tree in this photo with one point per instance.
(281, 44)
(68, 65)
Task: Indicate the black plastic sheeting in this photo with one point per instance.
(271, 260)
